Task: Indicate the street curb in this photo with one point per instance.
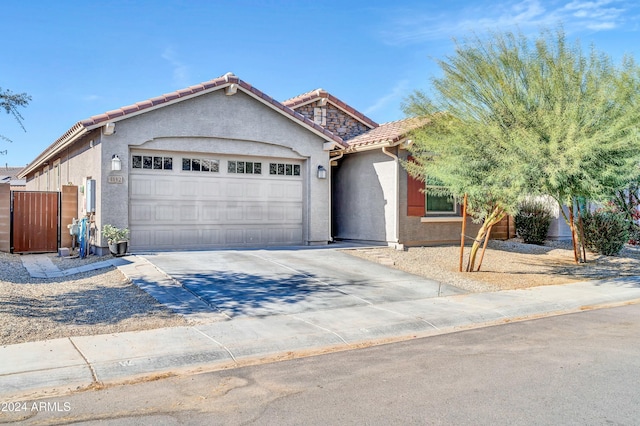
(91, 362)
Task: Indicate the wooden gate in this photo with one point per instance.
(35, 221)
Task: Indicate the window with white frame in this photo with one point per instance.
(244, 167)
(437, 200)
(200, 165)
(284, 169)
(151, 162)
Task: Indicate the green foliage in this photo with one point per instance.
(10, 102)
(114, 235)
(538, 115)
(512, 117)
(627, 202)
(532, 222)
(605, 232)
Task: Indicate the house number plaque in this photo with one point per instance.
(116, 179)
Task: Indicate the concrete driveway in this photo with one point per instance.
(290, 281)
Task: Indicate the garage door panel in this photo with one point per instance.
(164, 188)
(166, 212)
(174, 209)
(141, 212)
(276, 213)
(188, 188)
(141, 237)
(209, 212)
(235, 190)
(210, 189)
(254, 212)
(164, 237)
(141, 187)
(234, 236)
(188, 213)
(293, 191)
(293, 214)
(234, 212)
(276, 191)
(211, 236)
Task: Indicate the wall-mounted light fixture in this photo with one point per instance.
(116, 164)
(322, 172)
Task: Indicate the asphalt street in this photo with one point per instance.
(580, 368)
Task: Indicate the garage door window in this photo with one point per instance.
(245, 167)
(151, 162)
(200, 165)
(284, 169)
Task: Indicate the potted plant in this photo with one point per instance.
(117, 238)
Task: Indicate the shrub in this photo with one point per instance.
(114, 235)
(605, 232)
(532, 222)
(634, 234)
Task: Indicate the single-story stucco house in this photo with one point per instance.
(222, 164)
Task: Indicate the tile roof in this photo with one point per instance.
(314, 95)
(385, 134)
(226, 79)
(83, 126)
(10, 175)
(10, 172)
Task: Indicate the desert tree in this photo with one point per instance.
(513, 117)
(10, 102)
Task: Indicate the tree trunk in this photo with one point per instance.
(484, 246)
(581, 235)
(572, 226)
(494, 217)
(464, 229)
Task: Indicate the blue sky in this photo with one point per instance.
(81, 58)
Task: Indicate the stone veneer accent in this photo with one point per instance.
(338, 122)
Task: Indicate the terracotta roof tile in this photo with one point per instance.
(131, 108)
(144, 104)
(317, 94)
(386, 134)
(168, 97)
(10, 172)
(83, 126)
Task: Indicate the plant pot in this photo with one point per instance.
(119, 249)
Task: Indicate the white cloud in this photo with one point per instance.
(602, 26)
(398, 91)
(180, 70)
(524, 15)
(91, 98)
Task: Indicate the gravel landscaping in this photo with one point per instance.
(97, 302)
(104, 301)
(507, 265)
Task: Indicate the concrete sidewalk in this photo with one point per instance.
(41, 266)
(56, 366)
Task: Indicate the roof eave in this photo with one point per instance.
(291, 114)
(93, 124)
(72, 135)
(83, 127)
(387, 143)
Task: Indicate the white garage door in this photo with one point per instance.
(180, 201)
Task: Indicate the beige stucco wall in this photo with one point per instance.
(370, 204)
(77, 163)
(217, 123)
(415, 232)
(366, 197)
